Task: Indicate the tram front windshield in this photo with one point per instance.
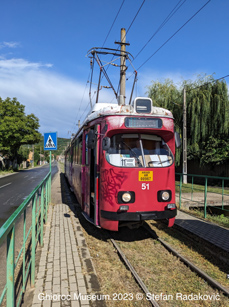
(139, 150)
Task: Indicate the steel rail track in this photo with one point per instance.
(193, 267)
(134, 273)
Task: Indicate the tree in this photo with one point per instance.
(207, 115)
(16, 128)
(167, 95)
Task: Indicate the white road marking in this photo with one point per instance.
(5, 185)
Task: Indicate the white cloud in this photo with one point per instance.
(56, 100)
(20, 64)
(9, 45)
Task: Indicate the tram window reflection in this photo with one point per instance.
(139, 150)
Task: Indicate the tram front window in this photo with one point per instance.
(139, 150)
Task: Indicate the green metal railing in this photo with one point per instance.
(204, 188)
(39, 199)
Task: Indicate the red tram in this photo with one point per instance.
(121, 165)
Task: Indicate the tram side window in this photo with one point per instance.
(75, 151)
(139, 150)
(86, 150)
(80, 151)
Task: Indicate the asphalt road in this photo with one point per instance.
(16, 187)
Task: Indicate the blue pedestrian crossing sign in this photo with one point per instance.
(50, 141)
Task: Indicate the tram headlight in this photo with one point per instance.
(164, 196)
(126, 197)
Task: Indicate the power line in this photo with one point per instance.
(102, 46)
(174, 10)
(129, 27)
(135, 16)
(191, 89)
(113, 23)
(75, 122)
(174, 34)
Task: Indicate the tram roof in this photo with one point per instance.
(106, 109)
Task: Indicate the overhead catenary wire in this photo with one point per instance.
(133, 20)
(166, 20)
(174, 10)
(113, 23)
(135, 16)
(209, 82)
(173, 35)
(90, 102)
(75, 123)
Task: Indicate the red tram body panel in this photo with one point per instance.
(121, 165)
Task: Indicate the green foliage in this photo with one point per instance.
(23, 154)
(16, 128)
(215, 151)
(168, 96)
(207, 115)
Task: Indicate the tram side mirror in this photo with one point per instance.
(177, 139)
(106, 143)
(91, 139)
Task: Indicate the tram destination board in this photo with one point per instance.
(142, 122)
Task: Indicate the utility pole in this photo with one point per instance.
(185, 167)
(121, 100)
(33, 155)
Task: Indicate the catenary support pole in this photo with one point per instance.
(123, 67)
(185, 167)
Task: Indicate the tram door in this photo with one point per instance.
(91, 175)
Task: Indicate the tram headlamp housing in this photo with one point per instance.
(164, 195)
(126, 197)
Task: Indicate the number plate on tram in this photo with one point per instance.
(145, 175)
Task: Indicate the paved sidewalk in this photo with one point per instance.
(63, 278)
(210, 232)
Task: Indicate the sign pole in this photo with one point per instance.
(50, 143)
(50, 162)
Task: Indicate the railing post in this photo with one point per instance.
(42, 215)
(192, 189)
(33, 241)
(205, 197)
(10, 296)
(49, 190)
(50, 169)
(180, 191)
(46, 199)
(24, 251)
(222, 194)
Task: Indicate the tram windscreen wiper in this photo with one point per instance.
(134, 153)
(159, 162)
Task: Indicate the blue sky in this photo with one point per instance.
(43, 47)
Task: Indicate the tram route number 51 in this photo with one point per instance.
(145, 186)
